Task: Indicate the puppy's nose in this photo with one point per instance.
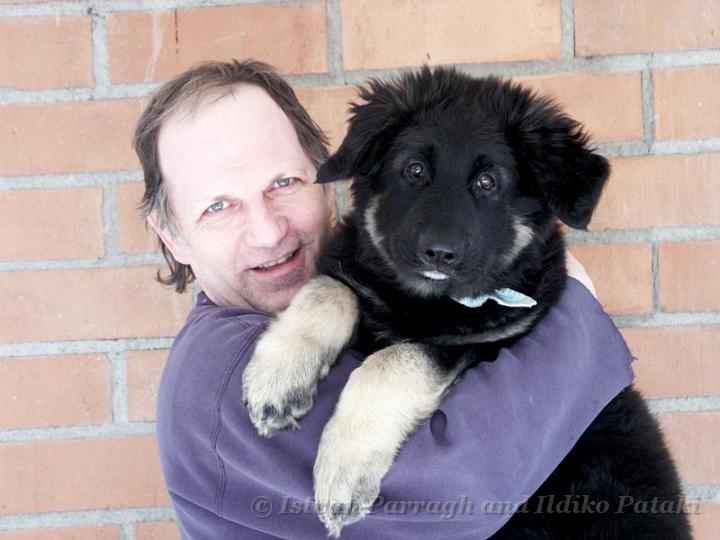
(441, 254)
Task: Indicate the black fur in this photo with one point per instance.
(461, 134)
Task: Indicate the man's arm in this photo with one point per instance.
(499, 434)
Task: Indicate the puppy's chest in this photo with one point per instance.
(384, 322)
(375, 333)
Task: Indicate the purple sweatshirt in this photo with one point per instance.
(498, 435)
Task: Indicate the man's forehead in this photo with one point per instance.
(246, 118)
(245, 103)
(242, 131)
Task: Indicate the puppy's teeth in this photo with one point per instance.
(435, 275)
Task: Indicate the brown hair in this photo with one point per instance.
(186, 92)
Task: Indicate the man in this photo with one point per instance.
(229, 158)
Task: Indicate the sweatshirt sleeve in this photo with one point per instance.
(498, 435)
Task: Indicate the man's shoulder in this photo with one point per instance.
(213, 344)
(212, 336)
(206, 317)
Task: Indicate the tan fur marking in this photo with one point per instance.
(382, 403)
(523, 236)
(297, 351)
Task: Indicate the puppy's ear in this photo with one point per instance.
(553, 149)
(372, 126)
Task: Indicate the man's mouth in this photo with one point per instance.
(277, 262)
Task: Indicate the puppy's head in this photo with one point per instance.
(455, 176)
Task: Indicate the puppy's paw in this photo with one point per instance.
(296, 351)
(347, 479)
(280, 381)
(279, 412)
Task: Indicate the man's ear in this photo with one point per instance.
(372, 125)
(177, 246)
(554, 151)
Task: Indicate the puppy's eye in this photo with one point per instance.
(415, 170)
(485, 181)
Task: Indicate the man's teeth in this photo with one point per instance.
(281, 260)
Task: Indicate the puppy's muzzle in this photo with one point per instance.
(440, 254)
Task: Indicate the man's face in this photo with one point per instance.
(251, 218)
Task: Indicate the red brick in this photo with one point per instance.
(144, 371)
(134, 236)
(151, 46)
(675, 361)
(688, 276)
(53, 224)
(609, 105)
(619, 26)
(43, 52)
(656, 191)
(88, 304)
(686, 103)
(383, 34)
(704, 519)
(55, 391)
(68, 137)
(329, 108)
(167, 530)
(53, 476)
(621, 274)
(86, 533)
(693, 442)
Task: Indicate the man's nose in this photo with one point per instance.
(264, 227)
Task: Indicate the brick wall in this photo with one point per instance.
(85, 328)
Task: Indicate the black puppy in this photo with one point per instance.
(457, 185)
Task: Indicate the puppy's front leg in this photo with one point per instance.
(296, 351)
(382, 402)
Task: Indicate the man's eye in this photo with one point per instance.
(285, 182)
(216, 207)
